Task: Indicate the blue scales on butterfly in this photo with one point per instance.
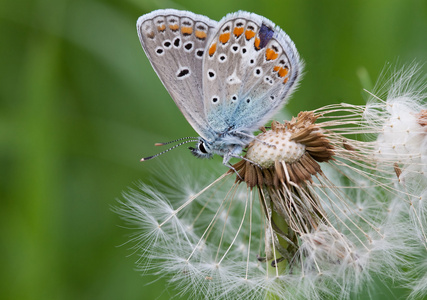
(228, 78)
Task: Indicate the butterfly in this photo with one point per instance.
(228, 78)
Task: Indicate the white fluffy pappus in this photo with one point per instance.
(224, 239)
(207, 243)
(399, 115)
(417, 282)
(398, 112)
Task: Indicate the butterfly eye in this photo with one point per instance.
(202, 147)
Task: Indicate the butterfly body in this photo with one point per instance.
(227, 145)
(228, 77)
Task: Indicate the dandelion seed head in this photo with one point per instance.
(274, 145)
(398, 115)
(402, 135)
(297, 161)
(401, 141)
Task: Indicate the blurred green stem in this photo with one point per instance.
(282, 265)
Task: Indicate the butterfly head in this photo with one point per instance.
(202, 150)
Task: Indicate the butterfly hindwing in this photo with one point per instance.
(175, 43)
(250, 67)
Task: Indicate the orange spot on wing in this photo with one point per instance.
(161, 27)
(187, 30)
(223, 38)
(249, 34)
(200, 34)
(212, 49)
(174, 27)
(270, 54)
(238, 31)
(283, 72)
(286, 80)
(257, 42)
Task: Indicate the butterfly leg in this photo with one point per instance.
(226, 162)
(252, 137)
(235, 153)
(265, 143)
(235, 171)
(244, 158)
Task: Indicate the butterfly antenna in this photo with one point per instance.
(184, 138)
(158, 154)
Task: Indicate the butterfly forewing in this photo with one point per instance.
(250, 67)
(175, 43)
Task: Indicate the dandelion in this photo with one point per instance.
(313, 212)
(401, 121)
(399, 116)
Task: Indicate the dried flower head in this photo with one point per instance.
(289, 152)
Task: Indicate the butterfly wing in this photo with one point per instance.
(250, 68)
(175, 42)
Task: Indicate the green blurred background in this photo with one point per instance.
(80, 105)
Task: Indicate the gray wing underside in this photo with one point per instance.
(257, 66)
(175, 42)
